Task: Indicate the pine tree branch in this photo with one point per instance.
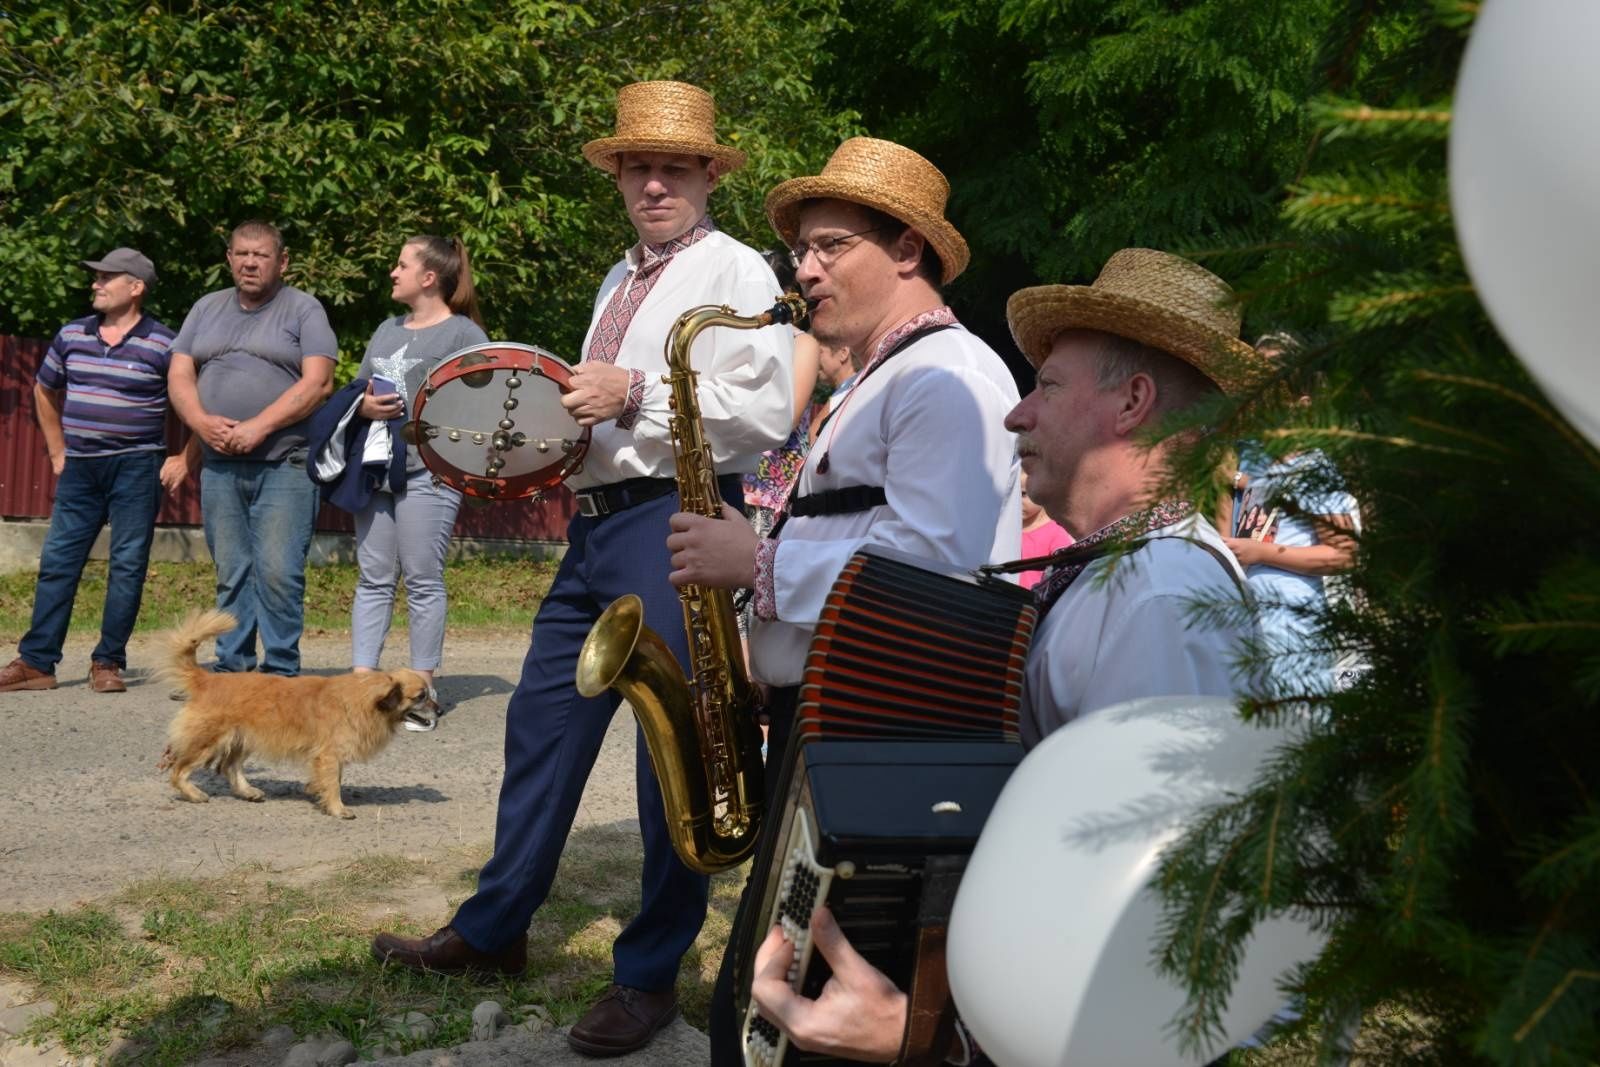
(1374, 438)
(1456, 431)
(1365, 113)
(1541, 410)
(1573, 976)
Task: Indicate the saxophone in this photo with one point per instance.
(701, 732)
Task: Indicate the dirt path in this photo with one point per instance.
(83, 811)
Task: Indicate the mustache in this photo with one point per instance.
(1025, 446)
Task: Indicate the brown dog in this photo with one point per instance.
(323, 722)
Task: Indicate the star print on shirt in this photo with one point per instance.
(394, 367)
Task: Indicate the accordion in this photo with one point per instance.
(905, 733)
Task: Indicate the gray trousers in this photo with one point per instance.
(405, 534)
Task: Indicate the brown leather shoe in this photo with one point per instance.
(623, 1020)
(446, 952)
(106, 678)
(18, 675)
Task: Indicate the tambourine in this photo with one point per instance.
(489, 422)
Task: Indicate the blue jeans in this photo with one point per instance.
(125, 490)
(258, 518)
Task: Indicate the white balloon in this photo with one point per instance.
(1054, 928)
(1525, 188)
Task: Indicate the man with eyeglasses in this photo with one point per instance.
(915, 457)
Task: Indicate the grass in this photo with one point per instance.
(187, 968)
(485, 593)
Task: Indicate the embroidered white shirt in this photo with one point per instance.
(745, 387)
(929, 427)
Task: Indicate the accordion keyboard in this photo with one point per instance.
(803, 884)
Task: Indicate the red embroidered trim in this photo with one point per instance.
(631, 406)
(766, 599)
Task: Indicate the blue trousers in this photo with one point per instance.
(553, 736)
(124, 490)
(258, 518)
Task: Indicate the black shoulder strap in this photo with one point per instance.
(845, 501)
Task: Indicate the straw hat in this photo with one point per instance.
(1156, 298)
(663, 117)
(882, 175)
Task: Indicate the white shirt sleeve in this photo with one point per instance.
(744, 383)
(1153, 650)
(949, 477)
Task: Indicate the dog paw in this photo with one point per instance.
(255, 796)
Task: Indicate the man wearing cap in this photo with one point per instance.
(1152, 337)
(249, 366)
(665, 160)
(101, 399)
(915, 457)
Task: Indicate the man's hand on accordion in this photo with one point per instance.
(860, 1014)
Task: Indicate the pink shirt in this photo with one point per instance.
(1041, 541)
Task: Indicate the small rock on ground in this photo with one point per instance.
(487, 1019)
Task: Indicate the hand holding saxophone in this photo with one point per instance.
(597, 392)
(716, 553)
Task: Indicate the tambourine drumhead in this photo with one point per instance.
(490, 421)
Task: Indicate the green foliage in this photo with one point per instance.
(1072, 128)
(355, 125)
(1438, 818)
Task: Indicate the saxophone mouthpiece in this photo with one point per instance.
(792, 308)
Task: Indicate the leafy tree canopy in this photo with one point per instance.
(354, 125)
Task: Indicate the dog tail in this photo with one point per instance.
(182, 668)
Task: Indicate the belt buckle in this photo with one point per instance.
(592, 505)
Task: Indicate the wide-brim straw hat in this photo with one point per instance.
(663, 117)
(1156, 298)
(882, 175)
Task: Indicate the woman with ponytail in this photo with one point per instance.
(407, 533)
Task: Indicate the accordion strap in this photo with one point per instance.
(930, 1013)
(851, 498)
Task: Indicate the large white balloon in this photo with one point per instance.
(1054, 927)
(1525, 189)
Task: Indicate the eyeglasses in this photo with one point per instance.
(826, 249)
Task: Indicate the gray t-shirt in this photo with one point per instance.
(244, 360)
(405, 356)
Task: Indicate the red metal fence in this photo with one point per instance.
(27, 485)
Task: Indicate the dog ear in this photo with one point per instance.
(393, 698)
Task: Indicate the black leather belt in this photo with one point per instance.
(620, 496)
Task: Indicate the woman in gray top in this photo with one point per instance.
(407, 533)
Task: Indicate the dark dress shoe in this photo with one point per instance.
(446, 952)
(623, 1020)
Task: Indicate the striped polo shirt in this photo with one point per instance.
(116, 394)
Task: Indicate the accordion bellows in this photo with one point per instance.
(908, 649)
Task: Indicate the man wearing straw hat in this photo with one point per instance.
(1152, 337)
(915, 457)
(666, 160)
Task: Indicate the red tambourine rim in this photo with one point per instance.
(502, 355)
